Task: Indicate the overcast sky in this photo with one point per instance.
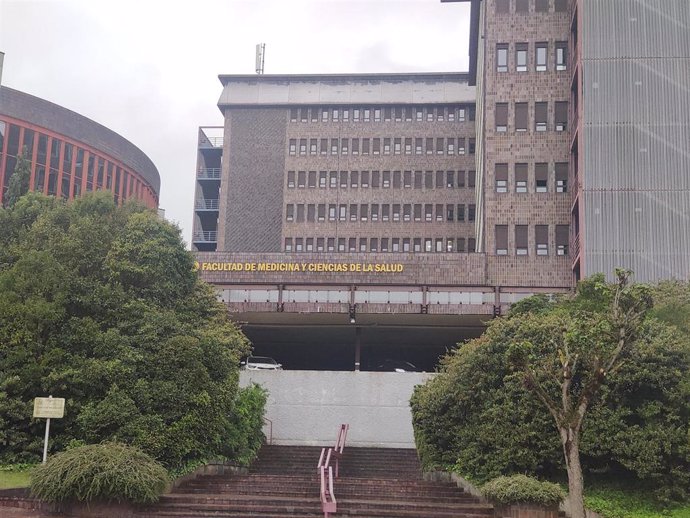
(148, 69)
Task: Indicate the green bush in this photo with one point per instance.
(108, 472)
(521, 489)
(247, 434)
(477, 418)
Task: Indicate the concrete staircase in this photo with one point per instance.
(282, 483)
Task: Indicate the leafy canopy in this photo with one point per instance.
(101, 305)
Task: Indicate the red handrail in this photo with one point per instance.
(325, 470)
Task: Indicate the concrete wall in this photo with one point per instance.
(307, 407)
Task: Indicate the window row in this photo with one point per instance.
(539, 115)
(527, 6)
(382, 146)
(540, 55)
(428, 212)
(381, 179)
(60, 168)
(383, 244)
(540, 241)
(385, 113)
(544, 177)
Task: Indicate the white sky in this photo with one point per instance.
(148, 69)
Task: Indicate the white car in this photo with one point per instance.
(260, 363)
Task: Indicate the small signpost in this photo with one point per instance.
(48, 408)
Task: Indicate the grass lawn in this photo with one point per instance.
(13, 477)
(619, 503)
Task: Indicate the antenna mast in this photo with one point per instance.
(260, 54)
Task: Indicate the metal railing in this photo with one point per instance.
(205, 236)
(325, 471)
(207, 204)
(211, 142)
(208, 173)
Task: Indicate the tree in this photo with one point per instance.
(589, 349)
(101, 305)
(18, 184)
(478, 418)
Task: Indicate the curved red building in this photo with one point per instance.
(69, 153)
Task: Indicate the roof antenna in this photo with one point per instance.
(260, 54)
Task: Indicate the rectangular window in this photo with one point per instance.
(451, 114)
(301, 179)
(386, 182)
(355, 146)
(364, 212)
(428, 212)
(461, 212)
(439, 146)
(377, 114)
(303, 146)
(562, 239)
(373, 245)
(385, 212)
(313, 146)
(310, 244)
(418, 212)
(418, 146)
(397, 146)
(324, 146)
(376, 146)
(521, 178)
(471, 179)
(336, 115)
(343, 179)
(321, 212)
(461, 114)
(375, 179)
(521, 57)
(386, 146)
(312, 179)
(395, 244)
(471, 146)
(429, 145)
(540, 54)
(450, 212)
(367, 115)
(439, 180)
(353, 212)
(346, 115)
(311, 212)
(417, 179)
(461, 146)
(439, 212)
(501, 116)
(331, 212)
(450, 179)
(407, 212)
(333, 179)
(365, 146)
(354, 179)
(471, 245)
(461, 244)
(561, 55)
(450, 146)
(501, 236)
(344, 146)
(398, 113)
(501, 173)
(450, 242)
(407, 179)
(288, 244)
(541, 111)
(331, 244)
(355, 114)
(561, 116)
(471, 212)
(387, 113)
(562, 177)
(561, 6)
(502, 57)
(291, 179)
(541, 239)
(502, 6)
(293, 146)
(384, 244)
(362, 244)
(293, 114)
(304, 114)
(300, 213)
(314, 114)
(334, 146)
(521, 240)
(342, 212)
(324, 115)
(408, 146)
(352, 244)
(364, 179)
(521, 6)
(396, 180)
(406, 244)
(374, 212)
(521, 117)
(289, 212)
(541, 177)
(541, 6)
(429, 180)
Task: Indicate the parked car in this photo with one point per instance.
(397, 366)
(260, 363)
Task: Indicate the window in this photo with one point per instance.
(312, 179)
(430, 114)
(385, 212)
(439, 212)
(386, 182)
(417, 244)
(334, 146)
(561, 55)
(386, 146)
(471, 212)
(352, 244)
(439, 146)
(395, 244)
(461, 244)
(324, 115)
(377, 114)
(289, 212)
(450, 179)
(302, 179)
(521, 57)
(311, 212)
(451, 114)
(521, 178)
(540, 56)
(336, 115)
(362, 244)
(375, 179)
(396, 212)
(355, 146)
(449, 244)
(321, 212)
(471, 146)
(450, 146)
(471, 245)
(418, 146)
(373, 245)
(324, 146)
(428, 245)
(355, 114)
(541, 111)
(541, 239)
(365, 146)
(521, 6)
(408, 146)
(304, 114)
(461, 114)
(461, 146)
(293, 114)
(450, 213)
(501, 236)
(502, 57)
(344, 146)
(419, 114)
(418, 212)
(501, 173)
(367, 114)
(407, 212)
(561, 6)
(375, 212)
(331, 212)
(561, 116)
(387, 113)
(429, 145)
(398, 116)
(502, 6)
(417, 179)
(541, 6)
(461, 212)
(322, 179)
(562, 239)
(310, 244)
(288, 244)
(396, 179)
(315, 114)
(343, 179)
(541, 177)
(333, 179)
(342, 212)
(562, 177)
(354, 179)
(521, 116)
(341, 244)
(293, 146)
(313, 147)
(353, 212)
(397, 145)
(406, 244)
(376, 146)
(346, 115)
(330, 244)
(364, 212)
(439, 180)
(302, 146)
(429, 180)
(521, 240)
(364, 179)
(300, 213)
(501, 117)
(428, 212)
(407, 179)
(471, 178)
(291, 179)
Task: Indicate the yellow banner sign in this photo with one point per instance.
(301, 267)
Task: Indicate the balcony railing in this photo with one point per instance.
(206, 204)
(205, 236)
(208, 173)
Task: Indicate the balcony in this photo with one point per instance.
(205, 236)
(206, 205)
(208, 173)
(211, 137)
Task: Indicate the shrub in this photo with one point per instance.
(247, 435)
(108, 472)
(521, 489)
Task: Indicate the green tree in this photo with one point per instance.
(101, 305)
(18, 184)
(478, 417)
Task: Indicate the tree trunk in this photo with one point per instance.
(571, 450)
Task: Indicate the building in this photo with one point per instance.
(368, 210)
(70, 154)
